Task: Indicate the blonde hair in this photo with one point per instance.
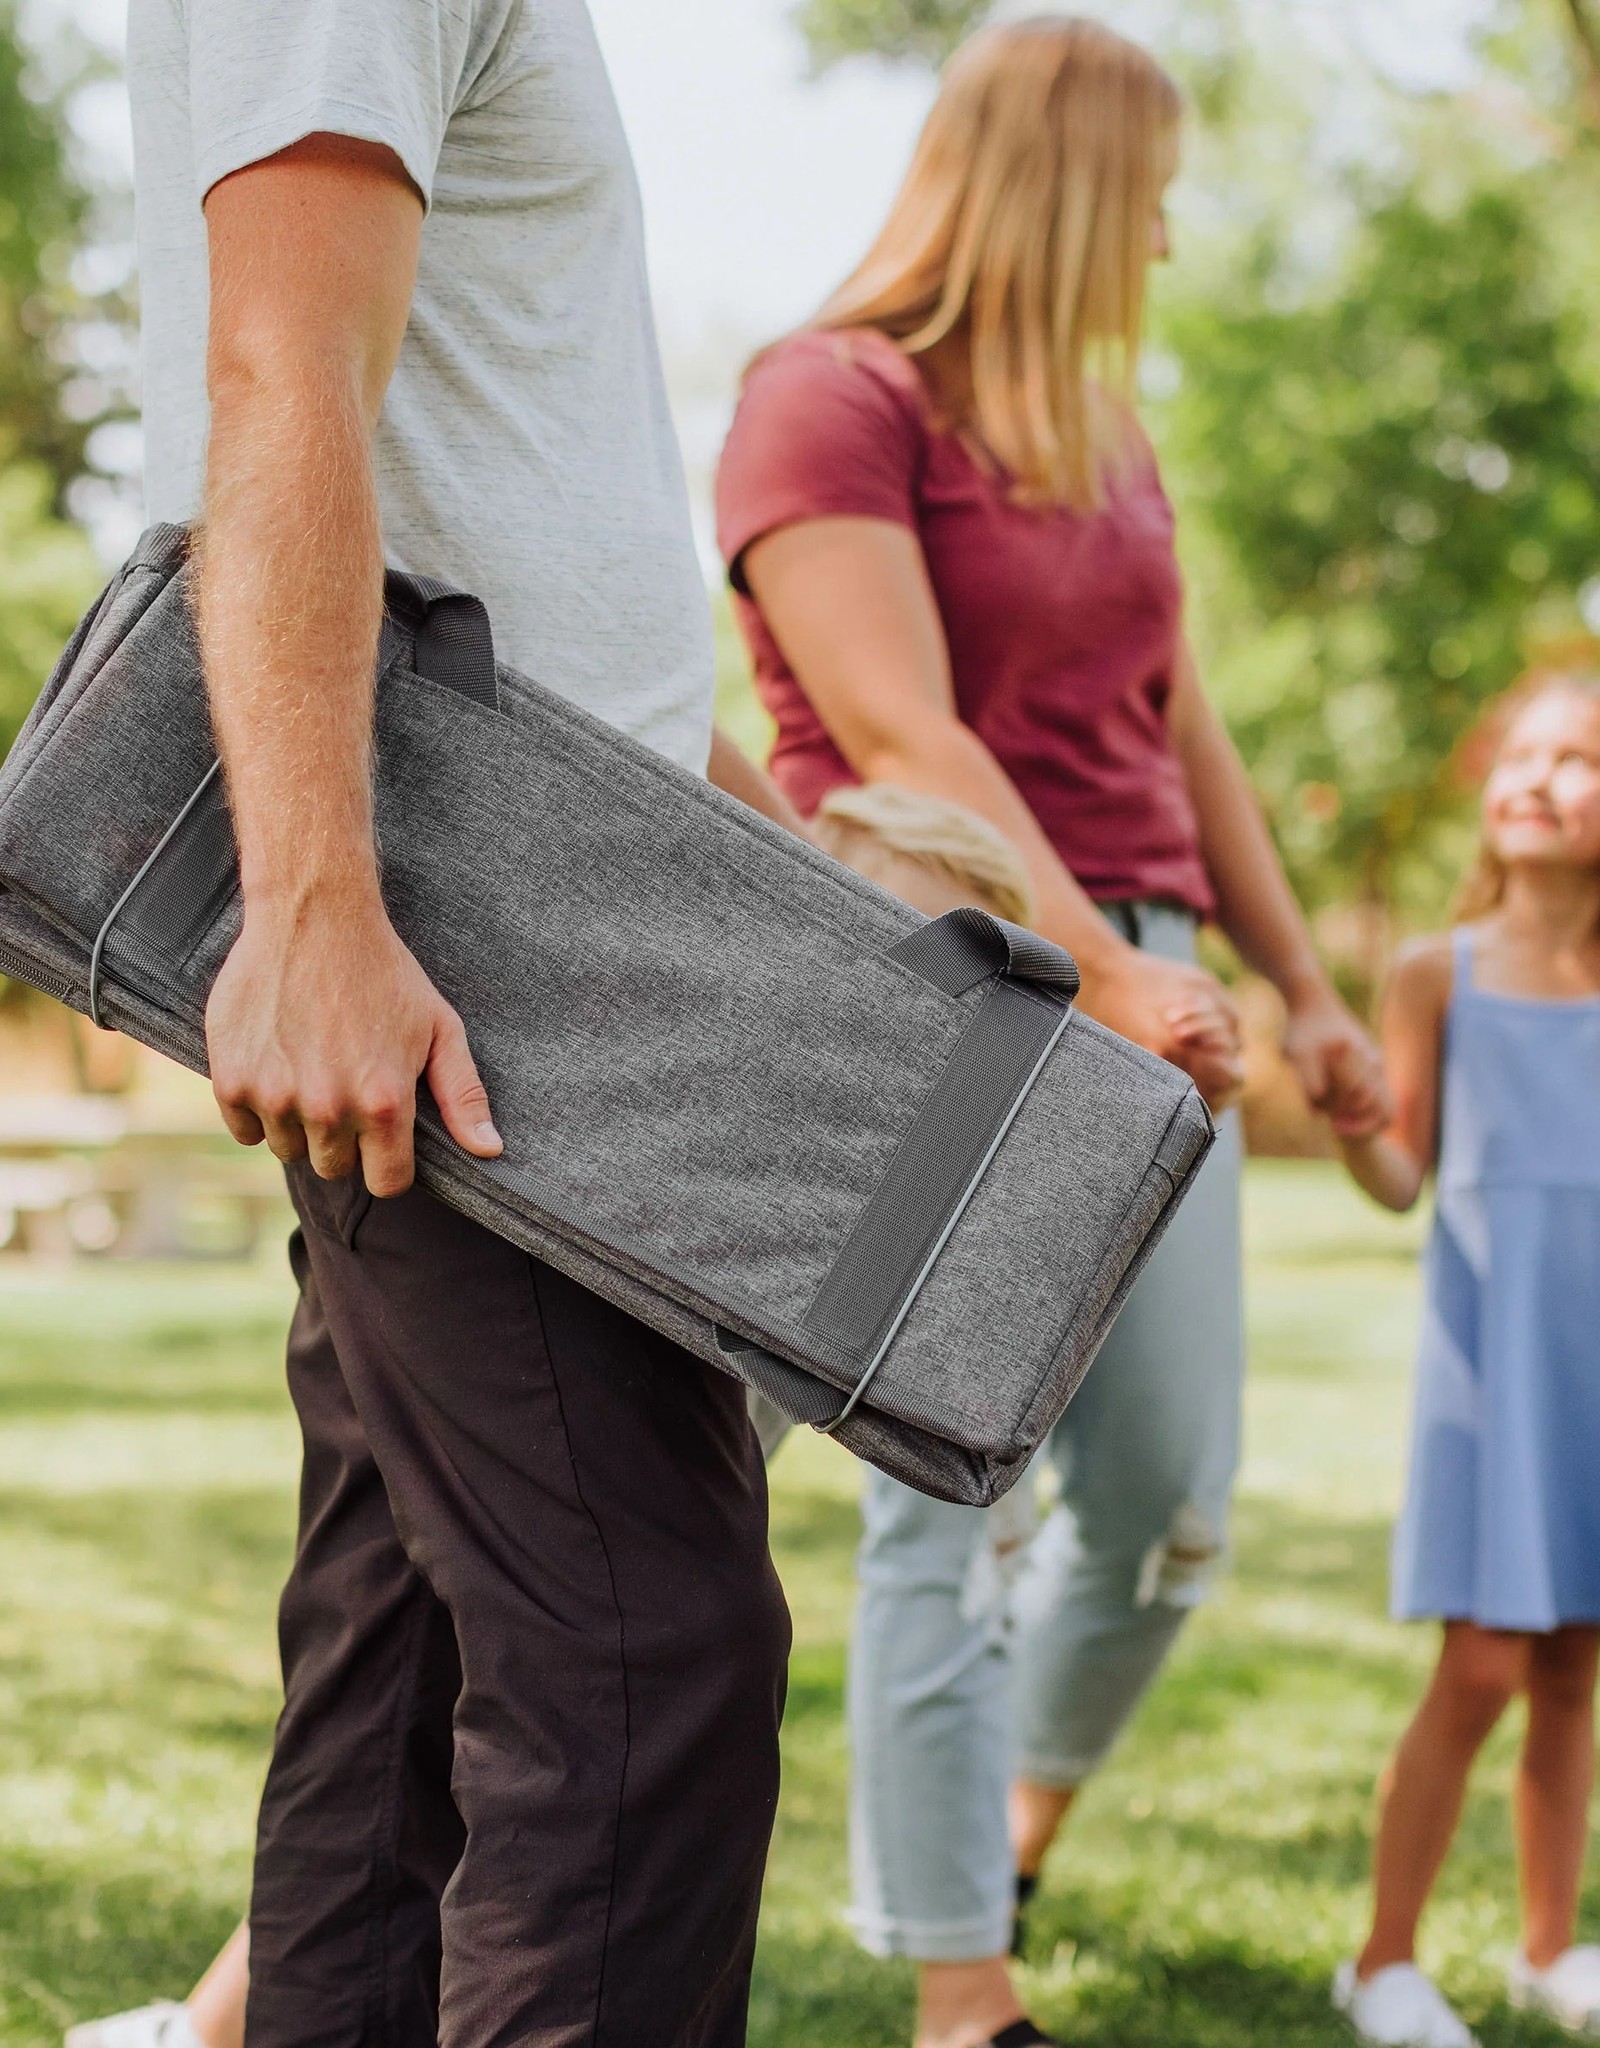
(880, 826)
(1024, 223)
(1484, 884)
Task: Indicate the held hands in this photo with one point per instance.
(318, 1028)
(1338, 1064)
(1186, 1016)
(1179, 1012)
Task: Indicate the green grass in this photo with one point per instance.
(1214, 1875)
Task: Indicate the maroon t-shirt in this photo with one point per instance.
(1061, 628)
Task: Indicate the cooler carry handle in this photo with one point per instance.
(172, 900)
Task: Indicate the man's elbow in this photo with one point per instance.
(261, 370)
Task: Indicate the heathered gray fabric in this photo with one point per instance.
(702, 1061)
(525, 449)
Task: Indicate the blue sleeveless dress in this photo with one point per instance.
(1501, 1523)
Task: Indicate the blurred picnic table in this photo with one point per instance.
(105, 1174)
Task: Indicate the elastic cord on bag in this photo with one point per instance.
(956, 1213)
(97, 955)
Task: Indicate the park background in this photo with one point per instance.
(1374, 380)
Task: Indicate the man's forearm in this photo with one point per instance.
(290, 602)
(320, 1023)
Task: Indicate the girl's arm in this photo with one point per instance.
(731, 770)
(1393, 1165)
(1338, 1063)
(850, 604)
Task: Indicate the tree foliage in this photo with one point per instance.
(924, 30)
(42, 211)
(1400, 477)
(47, 573)
(1584, 16)
(928, 30)
(47, 568)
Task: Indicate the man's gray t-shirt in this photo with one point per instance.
(525, 450)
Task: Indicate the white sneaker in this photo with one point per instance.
(1399, 2008)
(1568, 1991)
(163, 2025)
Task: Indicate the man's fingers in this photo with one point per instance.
(244, 1126)
(286, 1136)
(462, 1098)
(332, 1150)
(388, 1157)
(383, 1131)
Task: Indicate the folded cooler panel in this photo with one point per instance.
(876, 1166)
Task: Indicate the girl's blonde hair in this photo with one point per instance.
(1577, 675)
(872, 827)
(1024, 223)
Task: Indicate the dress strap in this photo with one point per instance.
(1463, 951)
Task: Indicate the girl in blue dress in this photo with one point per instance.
(1492, 1040)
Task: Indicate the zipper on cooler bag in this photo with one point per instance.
(16, 968)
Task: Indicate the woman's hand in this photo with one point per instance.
(1336, 1060)
(1338, 1064)
(1176, 1011)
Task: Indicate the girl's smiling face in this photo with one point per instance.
(1541, 803)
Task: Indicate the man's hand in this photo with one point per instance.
(318, 1027)
(1338, 1063)
(1178, 1012)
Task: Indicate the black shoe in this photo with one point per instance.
(1024, 2034)
(1026, 1887)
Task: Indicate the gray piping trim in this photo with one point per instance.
(97, 956)
(893, 1331)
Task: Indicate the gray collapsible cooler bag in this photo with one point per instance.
(874, 1166)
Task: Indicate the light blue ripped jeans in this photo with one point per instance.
(978, 1656)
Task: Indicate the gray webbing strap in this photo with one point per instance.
(454, 643)
(957, 951)
(171, 901)
(870, 1288)
(163, 546)
(212, 780)
(801, 1396)
(880, 1269)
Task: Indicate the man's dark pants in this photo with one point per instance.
(533, 1653)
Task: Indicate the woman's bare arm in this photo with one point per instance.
(849, 602)
(1393, 1165)
(1338, 1063)
(731, 770)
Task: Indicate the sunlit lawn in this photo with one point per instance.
(1214, 1875)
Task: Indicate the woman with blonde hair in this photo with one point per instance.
(953, 562)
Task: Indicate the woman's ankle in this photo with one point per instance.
(1036, 1813)
(962, 2005)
